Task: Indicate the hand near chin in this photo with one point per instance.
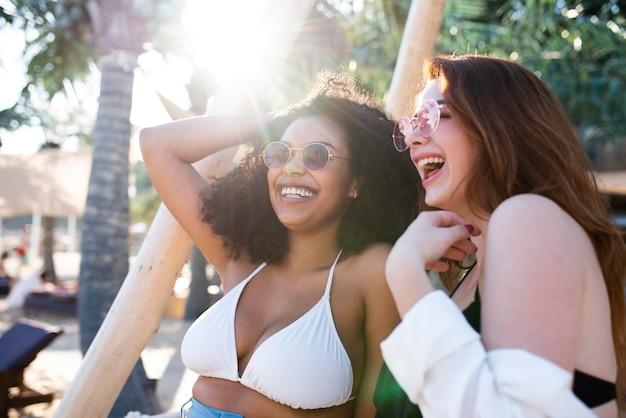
(431, 237)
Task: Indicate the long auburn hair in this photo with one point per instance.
(526, 143)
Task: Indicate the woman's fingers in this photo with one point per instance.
(460, 250)
(441, 234)
(439, 266)
(432, 237)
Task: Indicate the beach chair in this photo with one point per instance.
(19, 346)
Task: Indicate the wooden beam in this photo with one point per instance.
(418, 42)
(136, 313)
(175, 111)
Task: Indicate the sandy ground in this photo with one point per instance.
(55, 367)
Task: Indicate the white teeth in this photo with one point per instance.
(430, 160)
(296, 192)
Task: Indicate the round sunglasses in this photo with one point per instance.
(426, 122)
(315, 156)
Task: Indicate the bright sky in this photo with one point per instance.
(11, 83)
(224, 34)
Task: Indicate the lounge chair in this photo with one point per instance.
(19, 346)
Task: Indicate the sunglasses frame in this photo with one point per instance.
(414, 122)
(331, 156)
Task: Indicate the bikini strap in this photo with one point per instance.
(331, 274)
(259, 268)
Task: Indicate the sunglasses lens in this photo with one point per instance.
(400, 130)
(315, 156)
(428, 118)
(276, 154)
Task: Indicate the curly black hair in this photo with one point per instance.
(238, 206)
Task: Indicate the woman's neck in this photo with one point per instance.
(311, 252)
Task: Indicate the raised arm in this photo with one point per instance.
(170, 152)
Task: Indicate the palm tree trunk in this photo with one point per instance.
(105, 238)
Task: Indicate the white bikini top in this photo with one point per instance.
(304, 365)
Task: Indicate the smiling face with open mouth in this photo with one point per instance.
(305, 197)
(443, 159)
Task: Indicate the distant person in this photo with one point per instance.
(36, 282)
(6, 280)
(3, 268)
(22, 249)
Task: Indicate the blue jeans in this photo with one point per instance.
(199, 410)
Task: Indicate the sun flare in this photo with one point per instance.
(241, 42)
(227, 36)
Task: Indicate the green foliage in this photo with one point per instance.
(362, 37)
(58, 43)
(374, 33)
(588, 73)
(5, 17)
(62, 46)
(19, 114)
(365, 39)
(57, 54)
(577, 47)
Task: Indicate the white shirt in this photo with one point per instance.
(440, 362)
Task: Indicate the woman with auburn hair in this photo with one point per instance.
(536, 327)
(299, 233)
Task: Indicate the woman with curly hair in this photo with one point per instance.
(536, 328)
(299, 232)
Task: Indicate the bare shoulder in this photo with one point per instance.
(521, 203)
(531, 227)
(370, 263)
(359, 275)
(525, 214)
(366, 282)
(375, 252)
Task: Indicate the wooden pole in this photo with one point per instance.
(418, 42)
(136, 313)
